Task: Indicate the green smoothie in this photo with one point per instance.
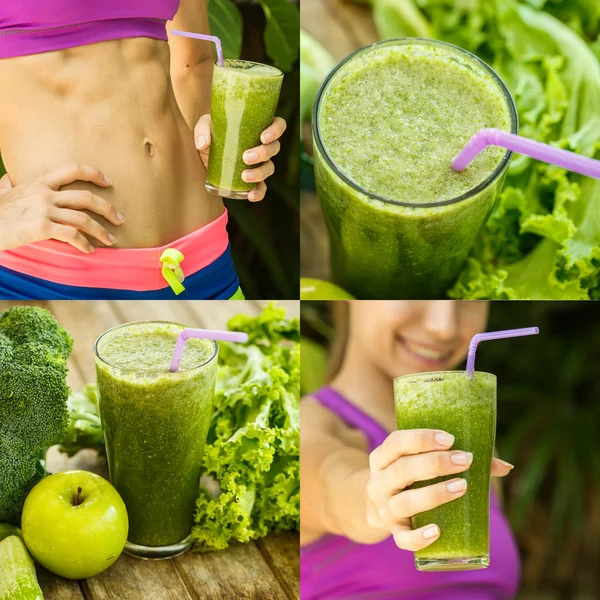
(155, 424)
(243, 101)
(388, 121)
(466, 408)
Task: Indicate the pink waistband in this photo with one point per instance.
(136, 269)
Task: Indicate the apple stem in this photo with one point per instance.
(78, 498)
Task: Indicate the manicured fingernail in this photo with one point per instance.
(252, 196)
(107, 180)
(249, 157)
(462, 458)
(431, 532)
(92, 249)
(112, 238)
(266, 138)
(460, 485)
(248, 175)
(444, 439)
(201, 141)
(506, 464)
(120, 217)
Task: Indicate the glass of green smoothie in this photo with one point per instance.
(243, 101)
(466, 408)
(387, 122)
(155, 425)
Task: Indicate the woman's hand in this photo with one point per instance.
(416, 455)
(39, 211)
(261, 155)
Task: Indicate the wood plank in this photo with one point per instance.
(134, 579)
(57, 588)
(339, 26)
(314, 250)
(156, 310)
(85, 321)
(281, 551)
(239, 572)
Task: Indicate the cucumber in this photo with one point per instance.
(6, 529)
(18, 579)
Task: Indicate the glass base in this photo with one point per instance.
(471, 563)
(158, 552)
(226, 193)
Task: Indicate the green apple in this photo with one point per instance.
(75, 524)
(319, 289)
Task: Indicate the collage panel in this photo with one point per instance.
(450, 150)
(298, 299)
(405, 420)
(148, 150)
(189, 409)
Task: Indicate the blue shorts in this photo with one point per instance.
(217, 281)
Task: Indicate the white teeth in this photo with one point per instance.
(426, 352)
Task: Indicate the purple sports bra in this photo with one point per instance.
(32, 27)
(336, 567)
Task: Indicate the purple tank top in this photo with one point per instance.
(336, 567)
(32, 27)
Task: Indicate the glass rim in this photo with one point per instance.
(493, 177)
(250, 62)
(149, 372)
(438, 373)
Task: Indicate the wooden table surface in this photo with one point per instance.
(267, 569)
(340, 27)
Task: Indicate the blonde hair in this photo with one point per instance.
(340, 310)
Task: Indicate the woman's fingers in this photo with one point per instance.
(259, 173)
(5, 183)
(422, 467)
(84, 199)
(500, 468)
(410, 441)
(202, 137)
(415, 539)
(274, 131)
(412, 502)
(82, 222)
(258, 193)
(64, 233)
(261, 153)
(73, 172)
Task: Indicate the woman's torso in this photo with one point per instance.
(335, 567)
(109, 105)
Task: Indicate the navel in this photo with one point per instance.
(149, 147)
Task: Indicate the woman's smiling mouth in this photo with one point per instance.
(432, 355)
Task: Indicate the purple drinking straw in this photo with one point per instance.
(209, 38)
(542, 152)
(493, 335)
(204, 334)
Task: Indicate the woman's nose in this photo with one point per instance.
(440, 319)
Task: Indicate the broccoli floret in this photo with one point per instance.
(33, 400)
(85, 428)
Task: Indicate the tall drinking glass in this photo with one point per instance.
(466, 408)
(243, 102)
(155, 424)
(387, 121)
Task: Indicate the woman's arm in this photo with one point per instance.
(333, 480)
(368, 497)
(191, 61)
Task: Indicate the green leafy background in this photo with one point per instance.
(548, 424)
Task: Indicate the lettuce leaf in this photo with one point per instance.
(252, 452)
